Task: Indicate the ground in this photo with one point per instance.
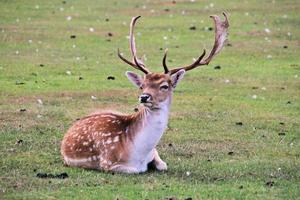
(233, 132)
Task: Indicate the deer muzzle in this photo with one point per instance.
(145, 98)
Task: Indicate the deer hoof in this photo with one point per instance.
(162, 166)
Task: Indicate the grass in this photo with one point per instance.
(208, 154)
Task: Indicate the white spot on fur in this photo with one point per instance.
(116, 139)
(106, 134)
(108, 141)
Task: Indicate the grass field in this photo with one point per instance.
(233, 133)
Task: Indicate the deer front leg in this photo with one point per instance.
(158, 162)
(124, 169)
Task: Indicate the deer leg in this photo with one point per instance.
(158, 162)
(124, 169)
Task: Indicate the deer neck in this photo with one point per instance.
(149, 128)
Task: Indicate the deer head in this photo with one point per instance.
(157, 88)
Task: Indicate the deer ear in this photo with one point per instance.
(175, 78)
(134, 78)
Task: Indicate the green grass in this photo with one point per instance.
(202, 127)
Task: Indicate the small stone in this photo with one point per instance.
(69, 18)
(270, 183)
(193, 28)
(19, 83)
(171, 198)
(91, 29)
(20, 141)
(50, 176)
(188, 173)
(63, 175)
(68, 72)
(267, 30)
(41, 175)
(110, 78)
(93, 97)
(217, 67)
(40, 101)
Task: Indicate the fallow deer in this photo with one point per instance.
(127, 143)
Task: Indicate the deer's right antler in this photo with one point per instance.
(136, 62)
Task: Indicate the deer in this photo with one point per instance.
(114, 142)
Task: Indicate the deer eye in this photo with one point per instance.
(164, 87)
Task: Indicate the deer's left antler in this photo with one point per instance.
(221, 32)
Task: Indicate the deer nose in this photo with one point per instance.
(144, 98)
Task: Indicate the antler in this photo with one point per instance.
(136, 63)
(221, 32)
